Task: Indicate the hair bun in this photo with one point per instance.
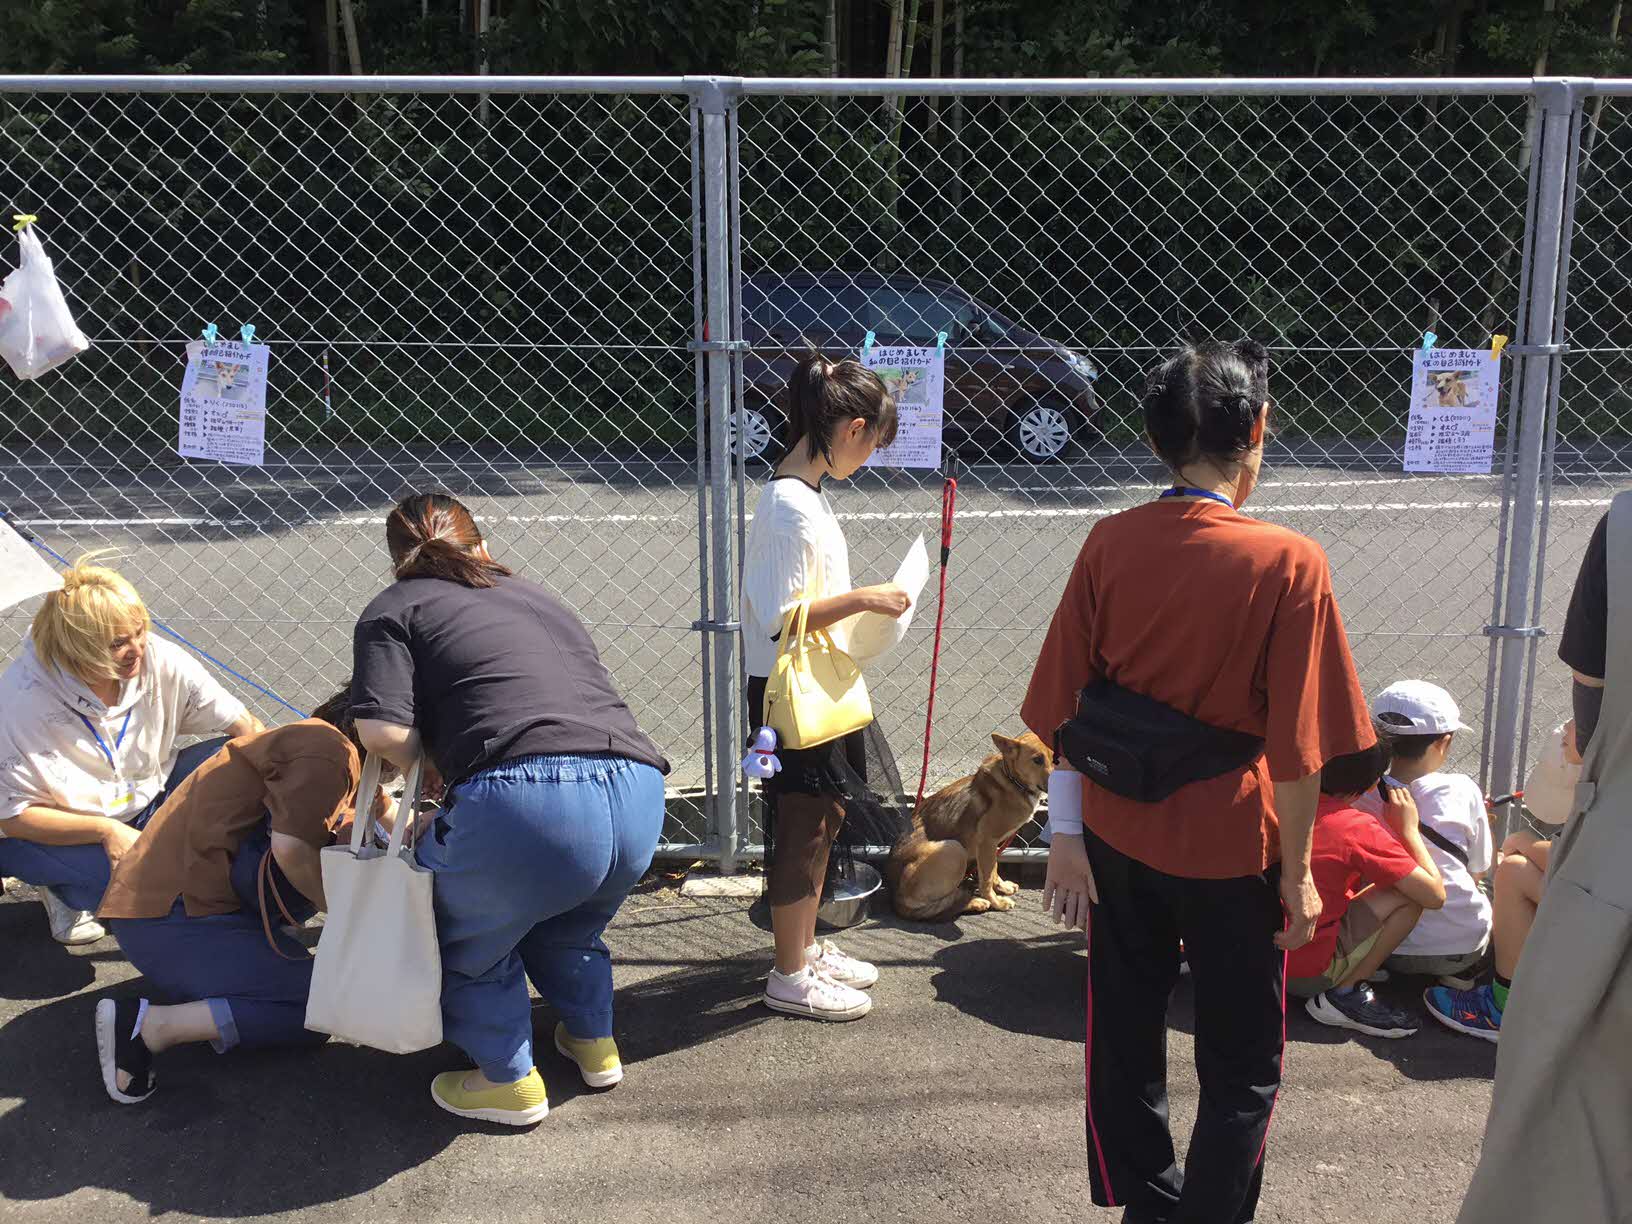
(1251, 350)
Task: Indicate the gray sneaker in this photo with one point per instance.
(1361, 1010)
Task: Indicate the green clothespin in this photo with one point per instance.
(1429, 340)
(210, 334)
(867, 344)
(246, 333)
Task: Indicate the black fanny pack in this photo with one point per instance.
(1136, 747)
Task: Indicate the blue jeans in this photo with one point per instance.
(256, 997)
(79, 874)
(532, 859)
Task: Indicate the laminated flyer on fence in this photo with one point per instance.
(873, 634)
(1453, 411)
(916, 378)
(223, 402)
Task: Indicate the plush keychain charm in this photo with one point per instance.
(761, 760)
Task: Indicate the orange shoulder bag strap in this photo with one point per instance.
(264, 884)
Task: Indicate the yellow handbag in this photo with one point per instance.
(815, 694)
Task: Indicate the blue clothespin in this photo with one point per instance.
(1428, 340)
(867, 344)
(940, 343)
(246, 333)
(210, 334)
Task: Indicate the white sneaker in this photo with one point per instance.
(70, 926)
(824, 957)
(808, 993)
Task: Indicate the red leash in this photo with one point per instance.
(949, 500)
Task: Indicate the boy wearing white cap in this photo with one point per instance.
(1421, 720)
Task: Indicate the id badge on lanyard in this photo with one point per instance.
(119, 795)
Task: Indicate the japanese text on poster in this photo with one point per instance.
(223, 402)
(916, 377)
(1453, 411)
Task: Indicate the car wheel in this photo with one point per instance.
(1042, 433)
(753, 435)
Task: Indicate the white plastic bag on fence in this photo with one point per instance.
(36, 331)
(377, 980)
(1549, 791)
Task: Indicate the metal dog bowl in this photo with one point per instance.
(851, 896)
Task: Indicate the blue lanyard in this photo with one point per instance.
(1182, 491)
(103, 744)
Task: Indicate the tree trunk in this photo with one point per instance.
(957, 107)
(892, 57)
(910, 42)
(484, 14)
(832, 36)
(1598, 103)
(332, 9)
(354, 53)
(937, 29)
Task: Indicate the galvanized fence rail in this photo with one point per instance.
(572, 302)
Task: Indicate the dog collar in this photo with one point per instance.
(1018, 785)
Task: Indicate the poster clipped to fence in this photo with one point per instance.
(916, 377)
(223, 402)
(1453, 411)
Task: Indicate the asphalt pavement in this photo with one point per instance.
(267, 568)
(960, 1098)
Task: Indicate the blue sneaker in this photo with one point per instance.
(1473, 1012)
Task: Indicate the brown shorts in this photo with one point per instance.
(1356, 936)
(805, 828)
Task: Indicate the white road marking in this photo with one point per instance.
(862, 516)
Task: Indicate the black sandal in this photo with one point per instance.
(121, 1049)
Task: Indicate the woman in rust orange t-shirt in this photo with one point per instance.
(1231, 621)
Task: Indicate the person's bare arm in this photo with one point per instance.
(398, 744)
(47, 826)
(1295, 810)
(301, 865)
(401, 746)
(248, 724)
(1425, 886)
(887, 600)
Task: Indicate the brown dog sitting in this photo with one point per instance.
(964, 824)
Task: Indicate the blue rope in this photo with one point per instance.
(157, 623)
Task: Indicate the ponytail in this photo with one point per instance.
(1201, 402)
(432, 535)
(824, 395)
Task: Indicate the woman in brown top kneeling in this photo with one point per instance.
(197, 903)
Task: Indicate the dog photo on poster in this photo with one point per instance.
(1452, 426)
(915, 379)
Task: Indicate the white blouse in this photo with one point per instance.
(796, 550)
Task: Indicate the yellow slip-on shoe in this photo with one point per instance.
(597, 1057)
(519, 1104)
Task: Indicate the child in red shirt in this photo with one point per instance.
(1373, 885)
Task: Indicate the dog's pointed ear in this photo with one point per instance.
(1003, 743)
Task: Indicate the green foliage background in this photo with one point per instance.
(437, 269)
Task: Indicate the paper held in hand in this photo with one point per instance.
(23, 572)
(874, 634)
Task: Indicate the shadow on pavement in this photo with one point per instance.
(36, 966)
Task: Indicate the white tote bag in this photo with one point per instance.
(378, 976)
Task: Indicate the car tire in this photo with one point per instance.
(758, 434)
(1043, 432)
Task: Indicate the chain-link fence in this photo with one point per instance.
(575, 303)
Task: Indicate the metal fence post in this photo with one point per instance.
(1547, 229)
(713, 102)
